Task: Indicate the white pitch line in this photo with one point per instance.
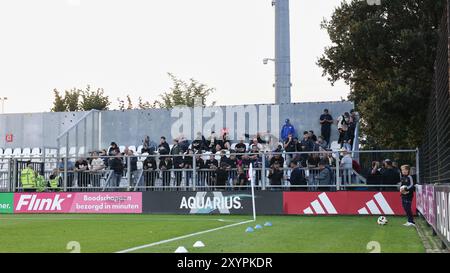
(116, 220)
(182, 237)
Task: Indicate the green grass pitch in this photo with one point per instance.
(289, 234)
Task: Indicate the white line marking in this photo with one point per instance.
(327, 203)
(317, 207)
(116, 220)
(182, 237)
(383, 204)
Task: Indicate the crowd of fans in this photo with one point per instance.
(219, 162)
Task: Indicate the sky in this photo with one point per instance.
(129, 46)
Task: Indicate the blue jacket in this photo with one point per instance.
(286, 130)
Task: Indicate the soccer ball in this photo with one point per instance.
(403, 188)
(382, 220)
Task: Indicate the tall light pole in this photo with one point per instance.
(3, 104)
(282, 52)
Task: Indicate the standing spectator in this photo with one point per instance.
(276, 159)
(199, 144)
(290, 147)
(188, 165)
(374, 176)
(81, 167)
(133, 164)
(342, 125)
(163, 147)
(221, 175)
(297, 178)
(347, 166)
(212, 164)
(276, 176)
(325, 177)
(326, 120)
(391, 177)
(178, 163)
(146, 148)
(116, 164)
(150, 173)
(287, 129)
(240, 148)
(166, 165)
(97, 165)
(242, 178)
(184, 143)
(212, 142)
(112, 149)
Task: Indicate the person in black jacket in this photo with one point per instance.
(116, 164)
(221, 177)
(150, 172)
(163, 147)
(276, 176)
(297, 177)
(165, 166)
(390, 177)
(407, 189)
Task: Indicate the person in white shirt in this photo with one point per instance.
(347, 166)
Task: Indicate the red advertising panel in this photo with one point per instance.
(343, 203)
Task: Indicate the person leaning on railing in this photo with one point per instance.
(325, 176)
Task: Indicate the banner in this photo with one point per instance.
(426, 203)
(114, 202)
(343, 203)
(218, 202)
(442, 195)
(6, 203)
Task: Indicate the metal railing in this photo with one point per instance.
(182, 172)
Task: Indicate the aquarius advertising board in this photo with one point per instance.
(116, 202)
(216, 202)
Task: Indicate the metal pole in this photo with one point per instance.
(14, 173)
(129, 170)
(338, 171)
(85, 137)
(65, 162)
(418, 165)
(263, 176)
(194, 174)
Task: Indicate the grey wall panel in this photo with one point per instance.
(131, 126)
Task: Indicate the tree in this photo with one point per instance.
(58, 104)
(183, 93)
(386, 54)
(94, 99)
(80, 100)
(71, 100)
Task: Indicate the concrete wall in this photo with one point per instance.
(131, 126)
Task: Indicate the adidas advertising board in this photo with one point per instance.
(343, 203)
(216, 202)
